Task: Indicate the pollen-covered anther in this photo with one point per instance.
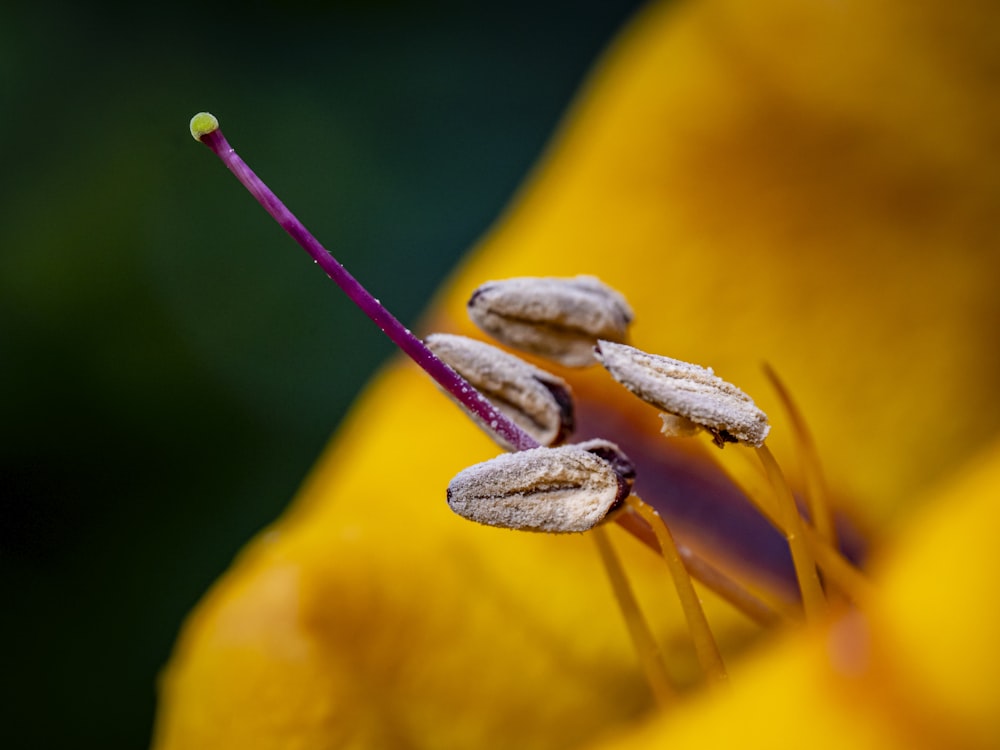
(564, 489)
(539, 402)
(689, 394)
(557, 318)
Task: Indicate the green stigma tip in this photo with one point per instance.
(202, 124)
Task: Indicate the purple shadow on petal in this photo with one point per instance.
(703, 507)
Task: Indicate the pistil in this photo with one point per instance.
(205, 128)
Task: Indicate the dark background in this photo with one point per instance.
(170, 363)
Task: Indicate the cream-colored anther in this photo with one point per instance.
(687, 391)
(564, 489)
(557, 318)
(539, 402)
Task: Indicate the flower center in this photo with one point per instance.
(579, 322)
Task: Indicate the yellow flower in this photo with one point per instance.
(814, 184)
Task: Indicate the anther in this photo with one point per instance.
(560, 319)
(539, 402)
(691, 393)
(564, 489)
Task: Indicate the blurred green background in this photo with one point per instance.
(171, 363)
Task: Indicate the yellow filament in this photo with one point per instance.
(758, 605)
(650, 657)
(817, 499)
(837, 569)
(704, 642)
(813, 598)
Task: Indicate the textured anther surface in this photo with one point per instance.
(560, 319)
(539, 402)
(565, 489)
(685, 390)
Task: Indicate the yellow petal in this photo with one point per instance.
(939, 616)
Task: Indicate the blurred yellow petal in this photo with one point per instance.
(939, 616)
(814, 184)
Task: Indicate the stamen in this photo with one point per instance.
(704, 642)
(688, 391)
(695, 394)
(558, 490)
(650, 657)
(539, 402)
(560, 319)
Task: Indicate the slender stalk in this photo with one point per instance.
(813, 598)
(704, 642)
(762, 609)
(817, 496)
(838, 571)
(760, 606)
(642, 638)
(209, 133)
